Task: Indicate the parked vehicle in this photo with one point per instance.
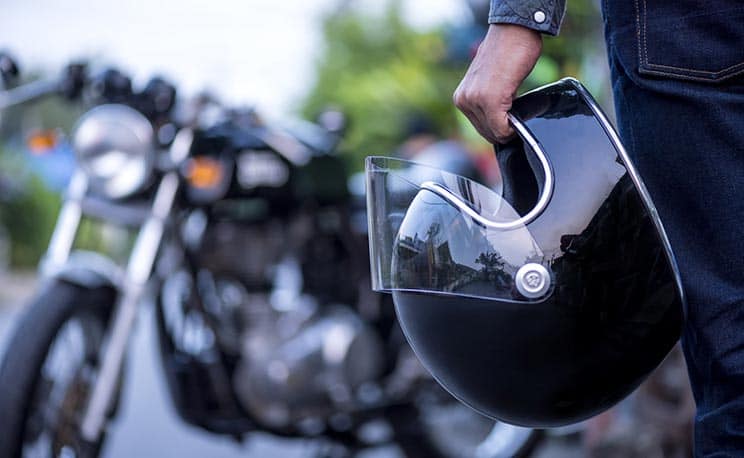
(242, 234)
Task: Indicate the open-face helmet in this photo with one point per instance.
(546, 299)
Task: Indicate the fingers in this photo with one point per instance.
(499, 124)
(492, 123)
(480, 125)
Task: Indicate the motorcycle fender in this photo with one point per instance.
(87, 269)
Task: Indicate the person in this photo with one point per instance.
(677, 70)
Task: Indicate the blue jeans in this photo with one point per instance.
(678, 80)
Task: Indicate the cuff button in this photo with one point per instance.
(539, 16)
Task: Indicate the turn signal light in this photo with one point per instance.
(204, 172)
(41, 142)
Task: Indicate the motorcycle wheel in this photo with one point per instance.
(455, 430)
(48, 371)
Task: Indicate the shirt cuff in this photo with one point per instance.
(544, 16)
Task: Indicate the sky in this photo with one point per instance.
(257, 52)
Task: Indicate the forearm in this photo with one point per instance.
(505, 57)
(542, 15)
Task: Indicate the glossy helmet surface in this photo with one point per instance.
(544, 300)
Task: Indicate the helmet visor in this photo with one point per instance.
(436, 232)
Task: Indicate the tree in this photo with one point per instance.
(379, 71)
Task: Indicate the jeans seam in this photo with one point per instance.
(682, 72)
(692, 70)
(606, 14)
(638, 34)
(689, 77)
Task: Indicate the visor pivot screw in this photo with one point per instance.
(532, 280)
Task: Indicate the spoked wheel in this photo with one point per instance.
(49, 369)
(458, 431)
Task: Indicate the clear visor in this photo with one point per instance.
(436, 232)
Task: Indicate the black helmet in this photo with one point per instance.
(546, 300)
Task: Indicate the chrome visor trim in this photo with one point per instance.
(541, 204)
(637, 180)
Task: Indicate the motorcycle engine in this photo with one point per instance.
(303, 357)
(306, 364)
(300, 361)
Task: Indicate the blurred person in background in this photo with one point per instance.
(677, 76)
(425, 144)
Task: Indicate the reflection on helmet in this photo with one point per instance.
(438, 248)
(542, 323)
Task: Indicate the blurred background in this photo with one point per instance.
(389, 66)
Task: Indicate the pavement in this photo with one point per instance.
(147, 424)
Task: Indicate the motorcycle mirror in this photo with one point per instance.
(8, 69)
(333, 120)
(73, 80)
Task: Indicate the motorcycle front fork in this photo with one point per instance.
(137, 273)
(130, 288)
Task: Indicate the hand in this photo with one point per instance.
(504, 59)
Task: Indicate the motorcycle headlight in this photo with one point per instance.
(114, 146)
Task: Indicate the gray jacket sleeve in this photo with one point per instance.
(542, 15)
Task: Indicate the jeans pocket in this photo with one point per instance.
(691, 39)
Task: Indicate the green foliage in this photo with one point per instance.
(31, 223)
(577, 51)
(379, 70)
(27, 216)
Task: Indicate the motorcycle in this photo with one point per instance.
(242, 234)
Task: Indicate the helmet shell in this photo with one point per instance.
(615, 306)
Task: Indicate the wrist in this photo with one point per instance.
(514, 36)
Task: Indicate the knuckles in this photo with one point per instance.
(461, 99)
(470, 99)
(466, 98)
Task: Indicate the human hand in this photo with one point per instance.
(504, 59)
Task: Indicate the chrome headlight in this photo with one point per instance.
(114, 146)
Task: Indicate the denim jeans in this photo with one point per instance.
(678, 81)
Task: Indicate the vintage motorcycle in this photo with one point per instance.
(243, 235)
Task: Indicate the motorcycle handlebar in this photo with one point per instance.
(69, 85)
(27, 93)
